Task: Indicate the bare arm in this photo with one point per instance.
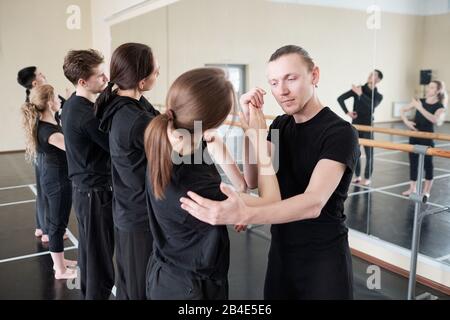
(410, 124)
(57, 140)
(325, 178)
(435, 118)
(222, 157)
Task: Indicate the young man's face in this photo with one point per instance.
(40, 79)
(291, 82)
(98, 81)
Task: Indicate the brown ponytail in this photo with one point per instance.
(159, 152)
(203, 94)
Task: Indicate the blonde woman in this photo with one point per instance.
(43, 135)
(429, 112)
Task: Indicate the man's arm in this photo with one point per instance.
(91, 128)
(325, 178)
(341, 100)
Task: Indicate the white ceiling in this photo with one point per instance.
(413, 7)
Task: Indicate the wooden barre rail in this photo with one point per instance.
(403, 147)
(405, 133)
(386, 145)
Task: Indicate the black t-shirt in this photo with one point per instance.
(86, 146)
(53, 155)
(126, 120)
(180, 240)
(422, 123)
(301, 146)
(362, 104)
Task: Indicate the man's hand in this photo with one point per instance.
(230, 211)
(352, 114)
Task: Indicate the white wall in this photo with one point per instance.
(247, 32)
(34, 32)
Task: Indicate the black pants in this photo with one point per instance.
(369, 157)
(323, 275)
(414, 160)
(41, 222)
(57, 193)
(96, 241)
(164, 283)
(133, 250)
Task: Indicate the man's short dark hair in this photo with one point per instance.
(379, 73)
(79, 64)
(290, 49)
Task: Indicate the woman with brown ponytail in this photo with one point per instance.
(124, 114)
(43, 135)
(191, 258)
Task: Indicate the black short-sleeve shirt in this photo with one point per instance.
(422, 123)
(53, 155)
(299, 147)
(180, 240)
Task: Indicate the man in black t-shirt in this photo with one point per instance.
(365, 99)
(89, 161)
(309, 255)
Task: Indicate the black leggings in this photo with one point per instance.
(40, 200)
(57, 192)
(414, 160)
(369, 158)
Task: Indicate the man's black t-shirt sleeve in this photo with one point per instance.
(91, 128)
(274, 126)
(341, 144)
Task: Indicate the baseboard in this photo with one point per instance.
(12, 152)
(430, 273)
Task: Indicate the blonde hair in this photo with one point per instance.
(441, 92)
(31, 113)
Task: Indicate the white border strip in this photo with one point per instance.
(18, 202)
(400, 257)
(34, 255)
(15, 187)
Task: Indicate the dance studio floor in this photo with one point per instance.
(380, 210)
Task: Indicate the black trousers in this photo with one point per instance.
(41, 222)
(133, 251)
(96, 241)
(369, 157)
(56, 190)
(164, 283)
(323, 275)
(414, 160)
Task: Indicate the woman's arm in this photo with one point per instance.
(222, 157)
(410, 124)
(268, 187)
(435, 118)
(57, 140)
